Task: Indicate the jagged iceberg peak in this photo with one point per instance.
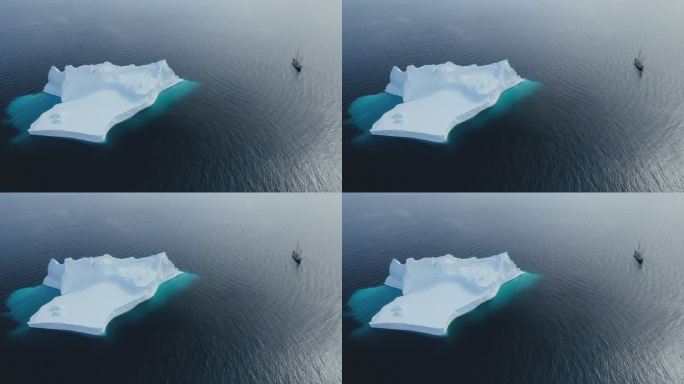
(139, 81)
(94, 290)
(98, 96)
(436, 290)
(439, 97)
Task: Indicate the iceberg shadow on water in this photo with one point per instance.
(24, 110)
(24, 302)
(366, 110)
(364, 303)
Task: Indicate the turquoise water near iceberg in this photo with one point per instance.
(366, 110)
(24, 302)
(243, 311)
(595, 125)
(585, 311)
(24, 110)
(254, 125)
(363, 304)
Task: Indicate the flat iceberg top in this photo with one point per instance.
(436, 290)
(94, 290)
(96, 97)
(439, 97)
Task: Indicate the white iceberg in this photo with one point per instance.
(436, 290)
(439, 97)
(94, 290)
(96, 97)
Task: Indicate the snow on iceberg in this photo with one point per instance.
(96, 97)
(436, 290)
(94, 290)
(439, 97)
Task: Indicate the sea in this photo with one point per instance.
(585, 120)
(585, 311)
(242, 312)
(244, 119)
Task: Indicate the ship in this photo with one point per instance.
(638, 254)
(297, 254)
(297, 62)
(639, 62)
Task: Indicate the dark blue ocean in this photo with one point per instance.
(585, 121)
(585, 312)
(243, 312)
(244, 120)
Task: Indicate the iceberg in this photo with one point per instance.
(94, 290)
(96, 97)
(436, 290)
(438, 97)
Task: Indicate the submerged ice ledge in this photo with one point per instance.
(97, 97)
(438, 97)
(436, 290)
(95, 290)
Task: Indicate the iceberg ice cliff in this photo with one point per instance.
(96, 97)
(439, 97)
(436, 290)
(94, 290)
